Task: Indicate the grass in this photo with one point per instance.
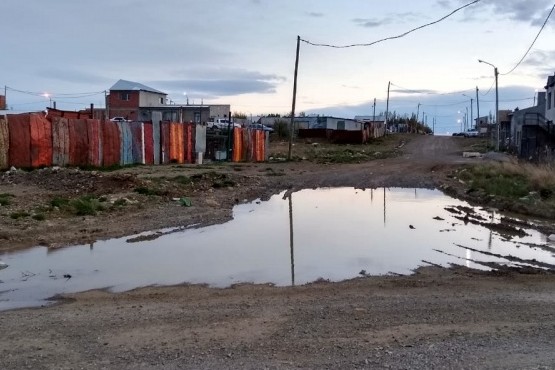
(59, 202)
(87, 205)
(19, 214)
(5, 199)
(511, 180)
(145, 190)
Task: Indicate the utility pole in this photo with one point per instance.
(387, 107)
(471, 112)
(477, 109)
(294, 99)
(417, 112)
(497, 107)
(434, 127)
(5, 97)
(374, 117)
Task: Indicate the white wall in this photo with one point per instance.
(350, 125)
(149, 99)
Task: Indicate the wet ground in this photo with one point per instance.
(293, 238)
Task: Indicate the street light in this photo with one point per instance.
(471, 111)
(49, 96)
(496, 73)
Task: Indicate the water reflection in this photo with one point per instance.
(291, 239)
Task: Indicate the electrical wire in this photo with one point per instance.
(64, 95)
(393, 37)
(533, 42)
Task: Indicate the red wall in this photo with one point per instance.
(3, 102)
(124, 108)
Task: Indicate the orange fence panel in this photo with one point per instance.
(111, 143)
(41, 141)
(19, 152)
(78, 143)
(176, 143)
(237, 153)
(189, 142)
(94, 143)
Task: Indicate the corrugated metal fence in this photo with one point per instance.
(33, 140)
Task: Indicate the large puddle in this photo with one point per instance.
(331, 234)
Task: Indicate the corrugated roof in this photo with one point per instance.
(124, 85)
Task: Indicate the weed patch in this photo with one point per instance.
(144, 190)
(5, 199)
(18, 215)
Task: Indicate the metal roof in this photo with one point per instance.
(124, 85)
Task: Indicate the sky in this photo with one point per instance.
(242, 53)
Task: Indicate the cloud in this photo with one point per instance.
(416, 92)
(370, 23)
(389, 19)
(315, 14)
(73, 76)
(529, 11)
(219, 82)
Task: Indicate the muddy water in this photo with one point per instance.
(333, 234)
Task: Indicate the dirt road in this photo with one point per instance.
(435, 319)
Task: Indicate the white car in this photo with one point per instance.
(118, 119)
(471, 133)
(221, 123)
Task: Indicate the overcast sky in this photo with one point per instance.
(242, 52)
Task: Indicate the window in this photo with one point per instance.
(161, 100)
(549, 101)
(341, 125)
(124, 96)
(197, 117)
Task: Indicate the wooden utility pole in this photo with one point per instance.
(387, 107)
(291, 131)
(374, 117)
(477, 109)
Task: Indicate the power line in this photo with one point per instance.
(533, 42)
(394, 37)
(65, 95)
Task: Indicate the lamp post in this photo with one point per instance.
(471, 110)
(49, 96)
(496, 73)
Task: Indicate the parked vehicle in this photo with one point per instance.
(471, 133)
(221, 123)
(260, 126)
(118, 119)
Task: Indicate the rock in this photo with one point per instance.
(13, 169)
(551, 238)
(411, 227)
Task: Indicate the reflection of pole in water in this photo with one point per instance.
(291, 239)
(384, 218)
(490, 240)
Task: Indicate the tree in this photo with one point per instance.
(239, 115)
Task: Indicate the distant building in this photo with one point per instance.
(3, 102)
(137, 102)
(127, 97)
(219, 111)
(524, 124)
(550, 99)
(368, 119)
